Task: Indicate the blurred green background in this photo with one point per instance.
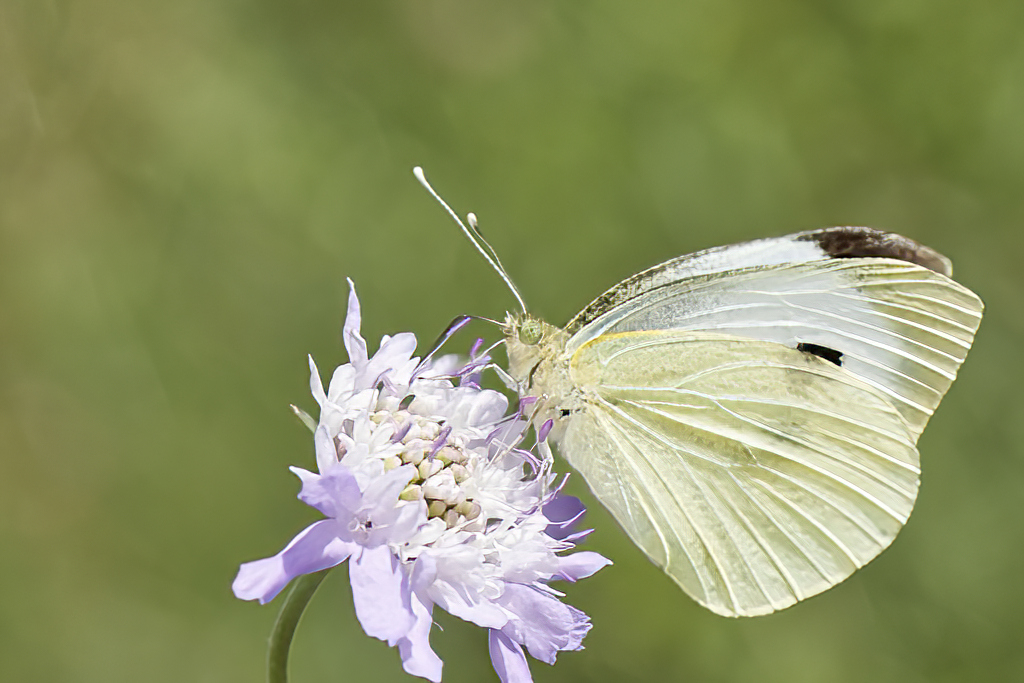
(184, 187)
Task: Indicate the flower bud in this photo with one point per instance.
(413, 456)
(429, 467)
(445, 455)
(451, 518)
(460, 472)
(436, 508)
(411, 492)
(469, 509)
(392, 462)
(440, 486)
(430, 430)
(455, 496)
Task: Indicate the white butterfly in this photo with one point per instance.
(749, 414)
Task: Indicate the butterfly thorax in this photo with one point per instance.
(538, 362)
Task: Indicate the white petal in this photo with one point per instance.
(326, 453)
(315, 385)
(354, 342)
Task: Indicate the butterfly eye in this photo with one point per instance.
(530, 332)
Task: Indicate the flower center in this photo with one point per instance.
(442, 465)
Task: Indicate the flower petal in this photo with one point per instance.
(315, 385)
(508, 658)
(394, 354)
(342, 386)
(382, 595)
(418, 658)
(326, 453)
(335, 494)
(354, 342)
(581, 565)
(564, 512)
(455, 582)
(542, 622)
(399, 525)
(316, 547)
(383, 491)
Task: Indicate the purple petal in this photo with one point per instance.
(508, 658)
(440, 441)
(578, 536)
(581, 565)
(335, 494)
(453, 327)
(542, 622)
(418, 658)
(381, 593)
(354, 342)
(402, 432)
(316, 547)
(564, 512)
(545, 429)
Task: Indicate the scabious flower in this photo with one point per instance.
(427, 493)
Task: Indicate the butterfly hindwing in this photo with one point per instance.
(756, 475)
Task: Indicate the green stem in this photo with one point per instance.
(287, 621)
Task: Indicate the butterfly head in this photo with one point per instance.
(532, 346)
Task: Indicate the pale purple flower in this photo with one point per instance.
(426, 492)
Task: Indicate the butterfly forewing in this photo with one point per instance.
(756, 475)
(900, 327)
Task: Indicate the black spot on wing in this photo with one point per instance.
(868, 243)
(831, 355)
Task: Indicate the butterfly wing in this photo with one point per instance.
(902, 328)
(801, 247)
(756, 475)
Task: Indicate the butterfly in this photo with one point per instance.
(749, 414)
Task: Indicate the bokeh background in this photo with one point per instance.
(184, 187)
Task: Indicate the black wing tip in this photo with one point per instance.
(854, 242)
(823, 352)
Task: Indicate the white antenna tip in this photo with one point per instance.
(474, 236)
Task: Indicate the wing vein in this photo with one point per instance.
(719, 567)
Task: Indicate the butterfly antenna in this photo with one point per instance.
(475, 228)
(474, 236)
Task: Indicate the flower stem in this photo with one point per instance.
(287, 621)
